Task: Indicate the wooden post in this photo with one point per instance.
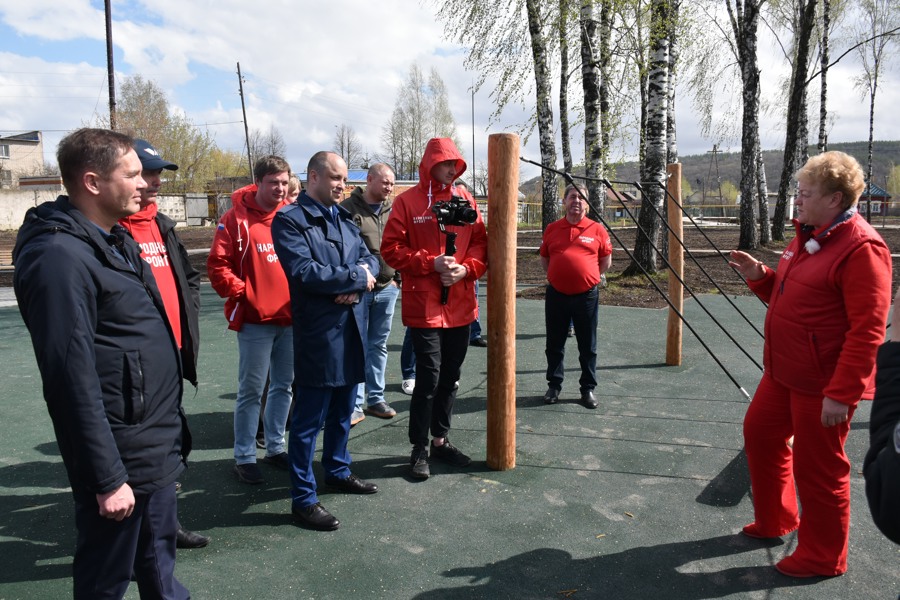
(503, 192)
(676, 259)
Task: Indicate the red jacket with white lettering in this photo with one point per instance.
(412, 240)
(243, 266)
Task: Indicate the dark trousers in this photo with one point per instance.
(581, 311)
(313, 408)
(107, 552)
(439, 357)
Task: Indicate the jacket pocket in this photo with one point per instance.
(133, 387)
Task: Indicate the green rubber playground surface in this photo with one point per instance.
(641, 498)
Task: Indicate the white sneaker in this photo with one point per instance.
(408, 386)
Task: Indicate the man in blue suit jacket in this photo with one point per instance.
(328, 267)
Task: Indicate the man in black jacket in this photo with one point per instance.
(882, 465)
(109, 363)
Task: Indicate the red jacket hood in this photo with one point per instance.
(244, 201)
(436, 151)
(148, 213)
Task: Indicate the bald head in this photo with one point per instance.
(379, 183)
(326, 177)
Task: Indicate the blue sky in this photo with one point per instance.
(308, 67)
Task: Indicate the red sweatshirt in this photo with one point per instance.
(243, 266)
(145, 232)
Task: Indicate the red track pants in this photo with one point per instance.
(817, 464)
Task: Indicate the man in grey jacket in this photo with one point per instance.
(370, 209)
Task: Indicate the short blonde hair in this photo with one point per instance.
(835, 172)
(293, 185)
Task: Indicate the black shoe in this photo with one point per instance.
(552, 396)
(351, 485)
(588, 400)
(450, 454)
(261, 441)
(189, 539)
(418, 462)
(479, 342)
(248, 473)
(315, 517)
(280, 461)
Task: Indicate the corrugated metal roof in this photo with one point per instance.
(876, 191)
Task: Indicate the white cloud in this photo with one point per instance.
(307, 68)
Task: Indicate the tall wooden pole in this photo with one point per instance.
(503, 196)
(110, 70)
(676, 259)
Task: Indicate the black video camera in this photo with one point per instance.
(455, 211)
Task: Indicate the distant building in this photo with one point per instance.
(20, 155)
(878, 196)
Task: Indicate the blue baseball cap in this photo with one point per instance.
(150, 158)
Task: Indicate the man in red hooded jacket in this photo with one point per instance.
(414, 245)
(243, 267)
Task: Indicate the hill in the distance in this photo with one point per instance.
(701, 168)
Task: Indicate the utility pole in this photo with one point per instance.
(244, 110)
(110, 71)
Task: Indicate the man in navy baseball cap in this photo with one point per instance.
(177, 280)
(150, 158)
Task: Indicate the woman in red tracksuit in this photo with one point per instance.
(828, 302)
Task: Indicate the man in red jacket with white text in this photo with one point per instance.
(414, 245)
(243, 267)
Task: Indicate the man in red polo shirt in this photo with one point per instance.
(575, 252)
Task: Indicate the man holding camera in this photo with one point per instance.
(438, 293)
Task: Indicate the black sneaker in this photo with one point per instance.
(418, 462)
(450, 454)
(248, 473)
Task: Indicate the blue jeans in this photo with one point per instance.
(475, 327)
(380, 306)
(407, 357)
(262, 350)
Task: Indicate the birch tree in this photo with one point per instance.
(879, 19)
(563, 32)
(549, 197)
(795, 106)
(593, 121)
(822, 144)
(744, 18)
(655, 162)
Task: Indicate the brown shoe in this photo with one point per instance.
(381, 410)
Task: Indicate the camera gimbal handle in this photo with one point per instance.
(449, 250)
